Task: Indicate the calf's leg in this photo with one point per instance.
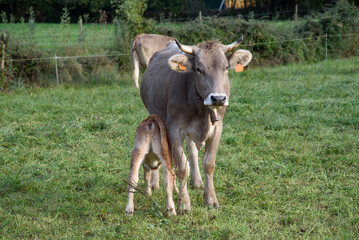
(137, 158)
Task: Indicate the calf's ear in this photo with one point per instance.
(239, 59)
(180, 63)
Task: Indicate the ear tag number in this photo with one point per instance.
(239, 68)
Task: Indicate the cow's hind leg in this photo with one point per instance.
(135, 68)
(155, 179)
(137, 158)
(196, 180)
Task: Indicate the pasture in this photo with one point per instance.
(287, 166)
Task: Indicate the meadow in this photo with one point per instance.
(287, 166)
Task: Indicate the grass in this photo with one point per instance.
(287, 166)
(56, 37)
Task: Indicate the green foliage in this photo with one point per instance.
(278, 44)
(65, 17)
(286, 168)
(132, 12)
(31, 24)
(4, 17)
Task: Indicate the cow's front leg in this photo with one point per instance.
(209, 159)
(176, 143)
(196, 180)
(168, 179)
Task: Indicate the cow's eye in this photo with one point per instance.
(199, 71)
(226, 68)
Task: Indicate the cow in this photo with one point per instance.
(151, 149)
(143, 46)
(188, 87)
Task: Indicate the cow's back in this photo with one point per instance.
(148, 44)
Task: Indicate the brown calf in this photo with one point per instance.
(151, 149)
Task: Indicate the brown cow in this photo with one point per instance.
(143, 46)
(151, 149)
(188, 87)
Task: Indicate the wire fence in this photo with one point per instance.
(55, 58)
(250, 14)
(114, 54)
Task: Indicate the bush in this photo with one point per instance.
(271, 44)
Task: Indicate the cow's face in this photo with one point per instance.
(210, 65)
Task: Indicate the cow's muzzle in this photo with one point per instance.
(215, 99)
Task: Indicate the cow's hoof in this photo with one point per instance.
(196, 184)
(155, 186)
(148, 191)
(171, 212)
(182, 211)
(212, 202)
(183, 208)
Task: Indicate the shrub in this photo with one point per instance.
(279, 45)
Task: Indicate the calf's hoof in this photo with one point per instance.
(171, 212)
(129, 213)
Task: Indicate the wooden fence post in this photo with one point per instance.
(57, 72)
(326, 46)
(80, 25)
(200, 17)
(296, 13)
(2, 68)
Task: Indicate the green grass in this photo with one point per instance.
(55, 37)
(287, 166)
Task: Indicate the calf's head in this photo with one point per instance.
(210, 63)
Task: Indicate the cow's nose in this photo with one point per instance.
(218, 100)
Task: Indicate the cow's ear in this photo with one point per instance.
(180, 63)
(239, 59)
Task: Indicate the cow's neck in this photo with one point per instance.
(202, 126)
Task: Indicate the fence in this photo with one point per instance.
(55, 58)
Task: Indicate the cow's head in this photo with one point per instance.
(210, 63)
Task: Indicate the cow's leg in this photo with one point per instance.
(147, 177)
(135, 68)
(155, 179)
(209, 159)
(176, 143)
(137, 158)
(196, 180)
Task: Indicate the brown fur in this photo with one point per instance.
(151, 149)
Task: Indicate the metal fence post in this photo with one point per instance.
(57, 72)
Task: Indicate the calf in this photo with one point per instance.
(151, 149)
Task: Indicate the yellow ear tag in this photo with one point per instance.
(239, 68)
(181, 67)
